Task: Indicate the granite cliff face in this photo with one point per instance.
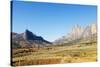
(28, 39)
(78, 33)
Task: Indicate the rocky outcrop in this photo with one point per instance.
(28, 39)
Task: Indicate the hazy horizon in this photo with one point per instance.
(50, 20)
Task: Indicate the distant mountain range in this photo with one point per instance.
(28, 39)
(79, 34)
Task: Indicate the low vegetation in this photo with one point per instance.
(55, 54)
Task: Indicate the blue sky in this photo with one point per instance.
(50, 20)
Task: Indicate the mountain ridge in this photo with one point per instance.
(78, 33)
(28, 39)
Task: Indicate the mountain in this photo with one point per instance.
(89, 31)
(79, 34)
(75, 33)
(28, 39)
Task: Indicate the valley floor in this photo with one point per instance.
(54, 55)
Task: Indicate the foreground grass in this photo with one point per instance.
(54, 55)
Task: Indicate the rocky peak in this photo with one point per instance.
(28, 35)
(94, 28)
(77, 29)
(90, 30)
(76, 32)
(28, 39)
